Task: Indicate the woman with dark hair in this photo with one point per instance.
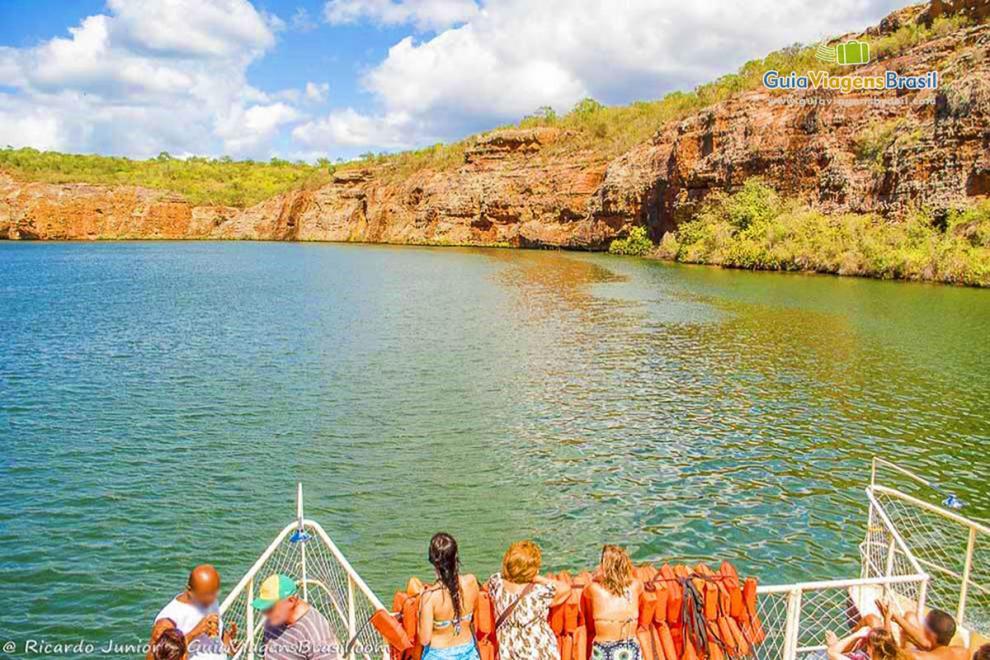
(171, 645)
(615, 597)
(447, 608)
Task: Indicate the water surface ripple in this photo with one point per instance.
(159, 400)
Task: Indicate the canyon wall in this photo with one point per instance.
(528, 188)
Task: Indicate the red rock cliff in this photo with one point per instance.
(514, 187)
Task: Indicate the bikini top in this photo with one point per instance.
(447, 623)
(623, 622)
(440, 624)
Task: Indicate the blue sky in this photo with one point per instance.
(335, 78)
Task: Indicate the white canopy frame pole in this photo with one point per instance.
(302, 541)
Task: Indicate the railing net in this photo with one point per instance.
(941, 545)
(328, 587)
(796, 618)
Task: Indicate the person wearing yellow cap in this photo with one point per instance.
(294, 630)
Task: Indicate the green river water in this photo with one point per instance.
(158, 402)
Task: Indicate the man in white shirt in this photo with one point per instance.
(196, 613)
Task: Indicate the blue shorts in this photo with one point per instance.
(463, 652)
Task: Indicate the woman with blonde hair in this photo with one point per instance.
(865, 643)
(522, 600)
(615, 597)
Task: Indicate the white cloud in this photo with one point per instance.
(154, 75)
(218, 28)
(26, 127)
(423, 14)
(243, 130)
(349, 128)
(151, 75)
(317, 92)
(514, 56)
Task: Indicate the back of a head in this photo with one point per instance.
(171, 645)
(942, 626)
(443, 550)
(616, 570)
(982, 653)
(443, 556)
(204, 579)
(521, 562)
(881, 645)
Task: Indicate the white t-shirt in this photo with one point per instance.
(186, 616)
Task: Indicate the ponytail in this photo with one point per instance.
(443, 556)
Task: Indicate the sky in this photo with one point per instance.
(308, 79)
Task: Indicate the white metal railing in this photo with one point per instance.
(952, 548)
(915, 555)
(304, 552)
(795, 617)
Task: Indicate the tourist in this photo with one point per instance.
(615, 597)
(865, 643)
(446, 609)
(982, 653)
(931, 639)
(196, 613)
(294, 630)
(171, 645)
(522, 600)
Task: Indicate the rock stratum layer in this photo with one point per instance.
(524, 187)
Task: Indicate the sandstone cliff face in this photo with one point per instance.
(515, 188)
(78, 211)
(809, 145)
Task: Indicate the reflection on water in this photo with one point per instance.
(157, 402)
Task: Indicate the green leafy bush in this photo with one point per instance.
(636, 244)
(755, 229)
(911, 34)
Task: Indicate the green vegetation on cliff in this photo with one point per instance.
(755, 228)
(198, 180)
(636, 244)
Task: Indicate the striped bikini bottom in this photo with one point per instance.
(627, 649)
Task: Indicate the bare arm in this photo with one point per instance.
(425, 627)
(912, 631)
(561, 589)
(230, 638)
(837, 647)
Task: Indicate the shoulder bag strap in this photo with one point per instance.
(512, 606)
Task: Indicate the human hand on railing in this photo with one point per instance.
(229, 639)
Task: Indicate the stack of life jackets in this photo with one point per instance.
(697, 613)
(684, 614)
